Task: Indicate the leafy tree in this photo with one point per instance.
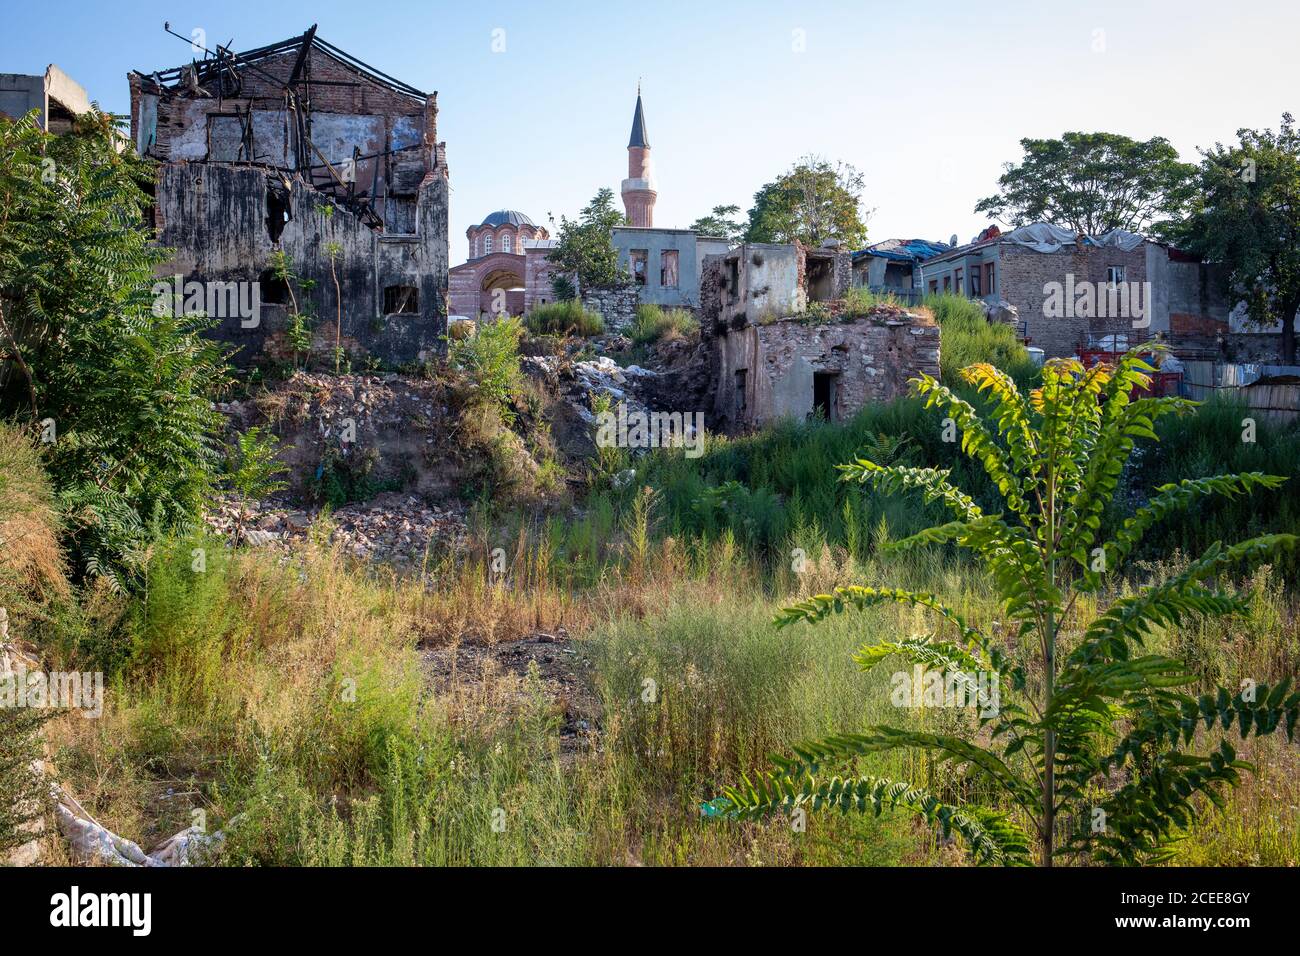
(1092, 737)
(721, 223)
(118, 386)
(813, 202)
(1091, 183)
(585, 246)
(1246, 214)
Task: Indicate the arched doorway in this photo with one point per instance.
(502, 291)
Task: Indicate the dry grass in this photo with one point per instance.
(31, 562)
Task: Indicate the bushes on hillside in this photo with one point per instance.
(565, 318)
(31, 573)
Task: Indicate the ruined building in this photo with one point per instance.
(639, 193)
(57, 98)
(783, 343)
(301, 147)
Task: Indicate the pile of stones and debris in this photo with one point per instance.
(576, 381)
(392, 528)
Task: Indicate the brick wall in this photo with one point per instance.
(1024, 273)
(357, 112)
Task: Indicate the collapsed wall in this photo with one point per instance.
(789, 368)
(783, 345)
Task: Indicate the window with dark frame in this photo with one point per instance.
(401, 300)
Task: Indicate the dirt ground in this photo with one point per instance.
(494, 676)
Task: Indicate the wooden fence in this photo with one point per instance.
(1271, 392)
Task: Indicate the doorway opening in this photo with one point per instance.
(824, 389)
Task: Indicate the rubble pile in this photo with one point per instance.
(576, 381)
(391, 528)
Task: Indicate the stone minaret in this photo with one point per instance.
(639, 188)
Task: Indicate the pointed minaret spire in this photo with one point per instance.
(638, 137)
(639, 189)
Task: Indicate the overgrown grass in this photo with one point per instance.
(1211, 442)
(564, 318)
(295, 700)
(968, 337)
(654, 323)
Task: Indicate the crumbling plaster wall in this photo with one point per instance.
(762, 280)
(348, 109)
(214, 218)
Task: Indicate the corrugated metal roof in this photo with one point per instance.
(904, 250)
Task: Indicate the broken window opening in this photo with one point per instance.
(820, 279)
(975, 283)
(272, 290)
(668, 268)
(401, 300)
(825, 386)
(639, 260)
(957, 282)
(733, 279)
(277, 210)
(988, 279)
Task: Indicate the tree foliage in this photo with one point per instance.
(585, 246)
(721, 223)
(1245, 214)
(119, 389)
(1093, 741)
(815, 201)
(1091, 183)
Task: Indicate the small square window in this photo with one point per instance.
(401, 300)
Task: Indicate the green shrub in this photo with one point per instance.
(859, 301)
(124, 386)
(490, 359)
(565, 318)
(1209, 442)
(654, 323)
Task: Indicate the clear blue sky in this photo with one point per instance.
(927, 99)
